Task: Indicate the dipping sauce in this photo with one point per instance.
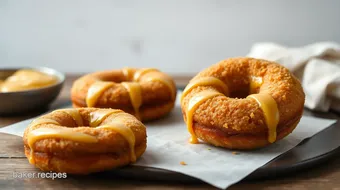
(27, 79)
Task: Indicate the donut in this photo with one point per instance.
(84, 140)
(242, 103)
(146, 93)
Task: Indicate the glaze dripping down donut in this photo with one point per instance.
(242, 103)
(67, 140)
(146, 93)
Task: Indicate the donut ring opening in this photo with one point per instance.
(255, 103)
(146, 93)
(84, 140)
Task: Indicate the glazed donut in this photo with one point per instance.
(84, 140)
(146, 93)
(242, 103)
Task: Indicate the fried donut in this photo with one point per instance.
(146, 93)
(242, 103)
(84, 140)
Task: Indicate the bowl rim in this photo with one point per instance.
(47, 70)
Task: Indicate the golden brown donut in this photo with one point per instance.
(242, 103)
(146, 93)
(84, 140)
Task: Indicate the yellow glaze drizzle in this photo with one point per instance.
(270, 111)
(135, 93)
(193, 104)
(160, 77)
(142, 72)
(98, 116)
(74, 113)
(126, 132)
(34, 123)
(128, 73)
(205, 81)
(64, 133)
(26, 79)
(95, 91)
(255, 84)
(134, 88)
(43, 121)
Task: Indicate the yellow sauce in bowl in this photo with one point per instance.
(27, 79)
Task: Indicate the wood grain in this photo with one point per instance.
(13, 161)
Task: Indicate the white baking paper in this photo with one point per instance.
(168, 146)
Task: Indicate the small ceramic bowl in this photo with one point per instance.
(29, 100)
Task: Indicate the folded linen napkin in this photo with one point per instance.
(316, 65)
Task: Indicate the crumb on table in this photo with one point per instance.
(183, 163)
(235, 153)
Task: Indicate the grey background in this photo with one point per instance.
(177, 36)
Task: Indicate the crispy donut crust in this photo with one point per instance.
(64, 155)
(239, 123)
(156, 96)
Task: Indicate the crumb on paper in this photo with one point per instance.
(183, 163)
(235, 153)
(209, 148)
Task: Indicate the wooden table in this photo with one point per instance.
(13, 162)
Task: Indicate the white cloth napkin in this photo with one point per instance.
(316, 65)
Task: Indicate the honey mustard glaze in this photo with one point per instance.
(27, 79)
(35, 123)
(268, 106)
(134, 88)
(95, 91)
(270, 111)
(74, 113)
(128, 73)
(97, 117)
(162, 78)
(63, 133)
(138, 74)
(151, 74)
(135, 93)
(126, 132)
(118, 125)
(40, 121)
(195, 101)
(205, 81)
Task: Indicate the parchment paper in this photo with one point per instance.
(168, 146)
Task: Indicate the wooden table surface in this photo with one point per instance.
(13, 162)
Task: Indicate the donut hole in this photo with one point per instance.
(246, 87)
(243, 93)
(239, 94)
(67, 120)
